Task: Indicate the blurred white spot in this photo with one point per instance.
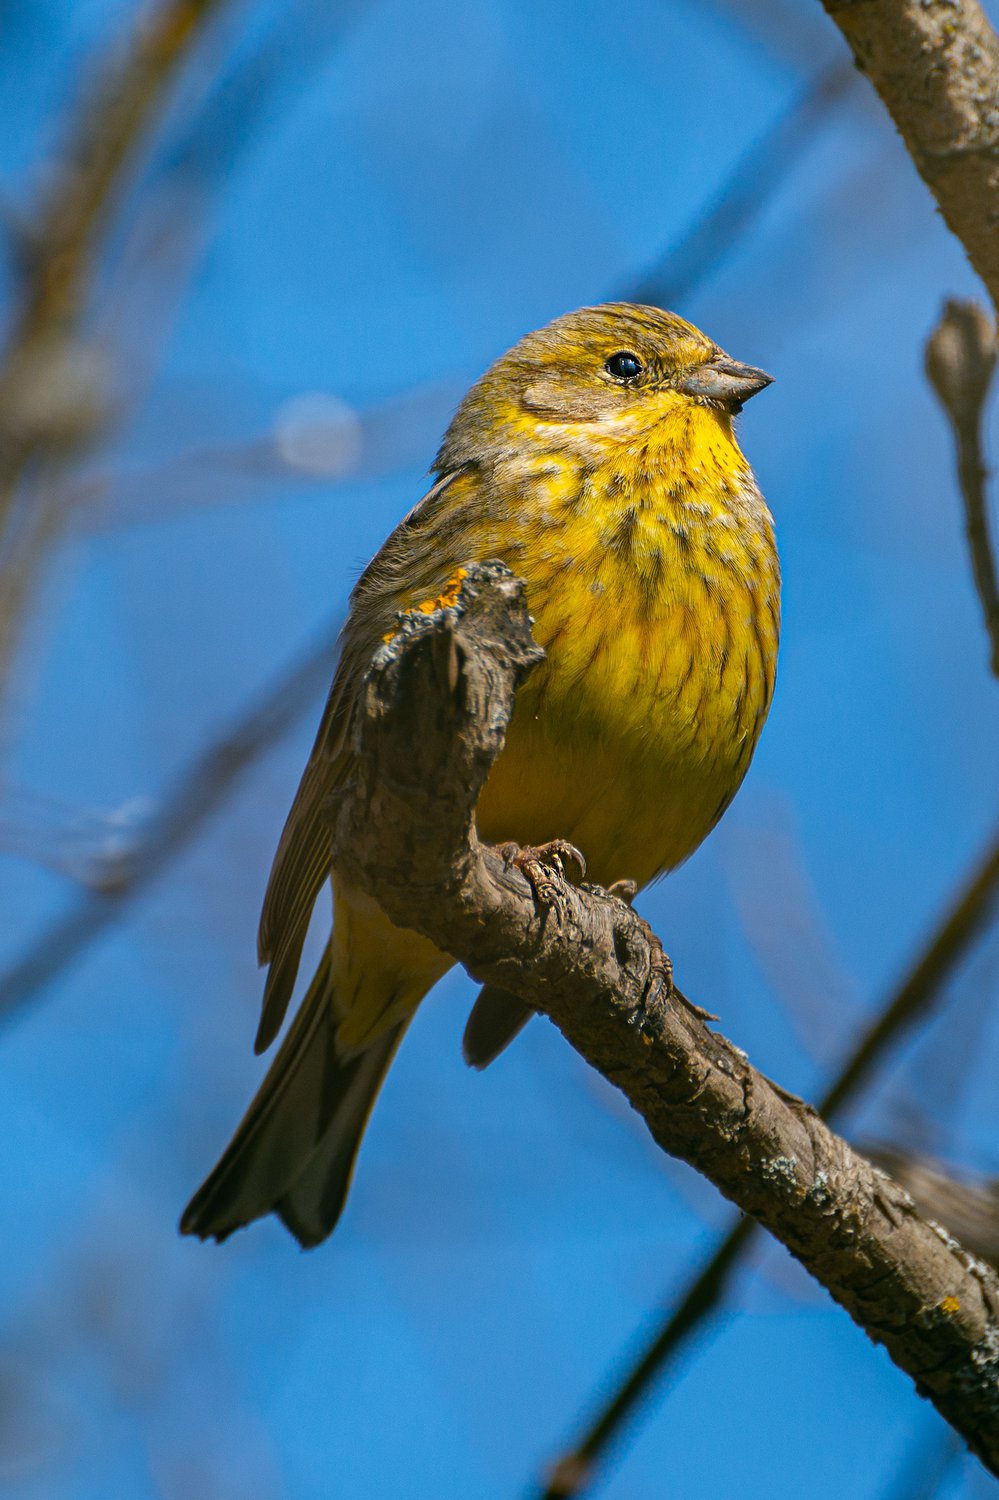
(319, 433)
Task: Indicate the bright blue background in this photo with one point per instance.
(372, 201)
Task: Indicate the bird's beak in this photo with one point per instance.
(724, 382)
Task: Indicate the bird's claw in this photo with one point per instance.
(542, 867)
(659, 987)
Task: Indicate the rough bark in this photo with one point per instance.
(430, 724)
(935, 64)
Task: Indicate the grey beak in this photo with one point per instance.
(724, 382)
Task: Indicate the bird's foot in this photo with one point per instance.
(659, 985)
(659, 988)
(542, 867)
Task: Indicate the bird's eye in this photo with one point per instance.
(623, 366)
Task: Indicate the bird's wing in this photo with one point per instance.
(303, 859)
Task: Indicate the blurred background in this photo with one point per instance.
(254, 252)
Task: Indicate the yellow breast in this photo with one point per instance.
(655, 593)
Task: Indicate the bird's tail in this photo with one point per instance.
(293, 1153)
(496, 1018)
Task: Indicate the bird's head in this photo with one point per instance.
(602, 375)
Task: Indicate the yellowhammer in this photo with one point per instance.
(597, 459)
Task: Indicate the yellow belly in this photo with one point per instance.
(637, 730)
(630, 824)
(633, 810)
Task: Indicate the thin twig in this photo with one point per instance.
(737, 204)
(574, 1472)
(199, 791)
(965, 921)
(960, 363)
(930, 1461)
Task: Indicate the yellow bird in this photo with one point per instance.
(598, 460)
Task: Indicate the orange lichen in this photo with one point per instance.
(448, 595)
(446, 599)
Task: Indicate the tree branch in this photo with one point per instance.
(967, 917)
(57, 251)
(431, 723)
(205, 785)
(935, 64)
(737, 203)
(960, 363)
(55, 388)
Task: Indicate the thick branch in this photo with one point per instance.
(431, 723)
(935, 64)
(968, 916)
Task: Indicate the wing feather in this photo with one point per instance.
(303, 860)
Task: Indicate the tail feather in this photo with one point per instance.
(293, 1154)
(495, 1019)
(312, 1206)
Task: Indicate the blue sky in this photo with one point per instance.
(389, 202)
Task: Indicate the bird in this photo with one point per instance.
(598, 460)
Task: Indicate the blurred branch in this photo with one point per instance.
(968, 1210)
(56, 253)
(431, 722)
(315, 438)
(936, 68)
(781, 916)
(392, 434)
(960, 363)
(761, 169)
(965, 921)
(574, 1470)
(56, 390)
(223, 120)
(199, 792)
(925, 1469)
(80, 843)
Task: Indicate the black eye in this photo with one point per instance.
(623, 366)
